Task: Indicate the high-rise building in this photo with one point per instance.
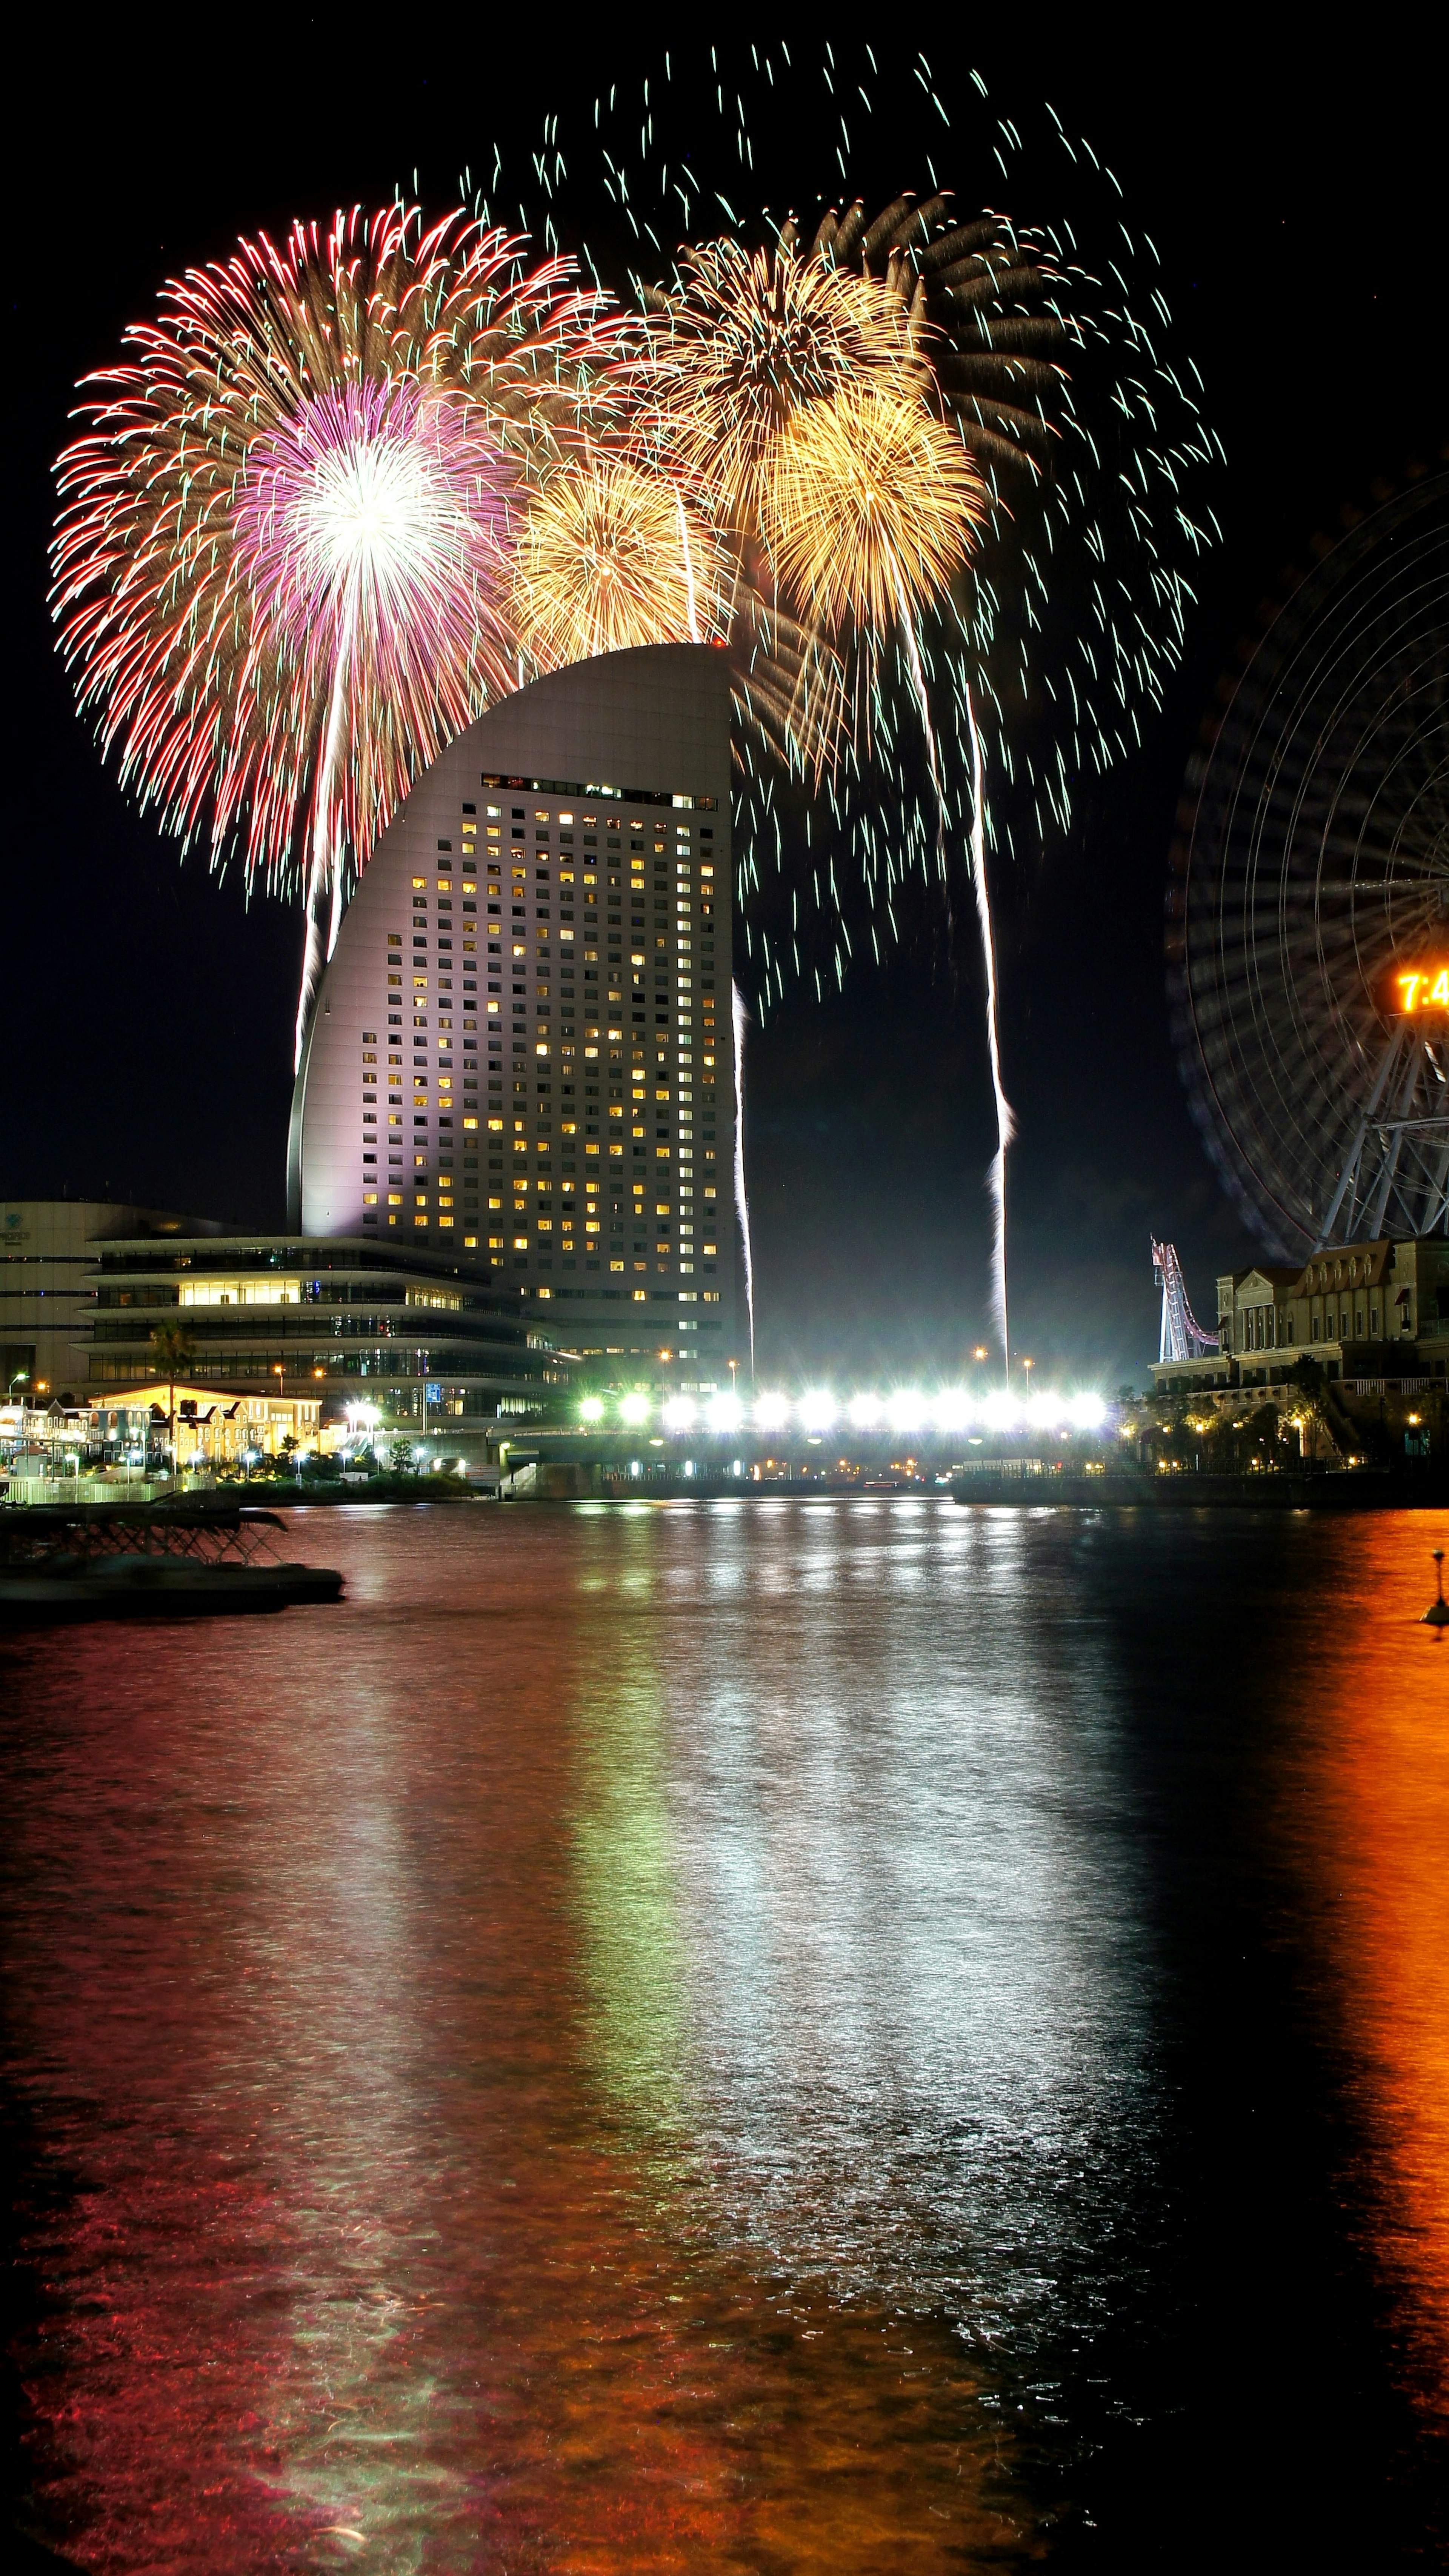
(522, 1051)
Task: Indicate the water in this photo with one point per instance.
(768, 2036)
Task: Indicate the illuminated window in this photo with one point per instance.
(419, 885)
(369, 1198)
(520, 1243)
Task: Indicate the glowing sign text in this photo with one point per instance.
(1425, 990)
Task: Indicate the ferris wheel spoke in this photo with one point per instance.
(1315, 909)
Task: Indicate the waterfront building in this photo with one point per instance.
(215, 1427)
(521, 1055)
(46, 1259)
(383, 1328)
(49, 1450)
(1363, 1312)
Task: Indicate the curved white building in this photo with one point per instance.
(522, 1050)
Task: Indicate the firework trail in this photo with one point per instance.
(1005, 1122)
(282, 561)
(739, 1016)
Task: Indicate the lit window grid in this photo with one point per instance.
(422, 1117)
(685, 890)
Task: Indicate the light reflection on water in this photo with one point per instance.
(647, 2038)
(860, 1914)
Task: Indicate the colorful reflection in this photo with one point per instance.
(1372, 1708)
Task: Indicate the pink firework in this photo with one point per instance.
(280, 567)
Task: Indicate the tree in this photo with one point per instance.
(400, 1457)
(175, 1355)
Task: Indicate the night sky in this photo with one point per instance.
(1297, 206)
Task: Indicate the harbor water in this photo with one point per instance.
(747, 2034)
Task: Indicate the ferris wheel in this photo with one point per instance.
(1308, 916)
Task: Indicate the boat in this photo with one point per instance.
(199, 1558)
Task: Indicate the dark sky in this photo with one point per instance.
(1297, 206)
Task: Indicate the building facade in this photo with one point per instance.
(46, 1260)
(522, 1053)
(385, 1328)
(1363, 1311)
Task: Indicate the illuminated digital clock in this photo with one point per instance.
(1423, 988)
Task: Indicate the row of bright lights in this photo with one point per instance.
(903, 1412)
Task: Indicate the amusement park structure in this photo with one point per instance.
(1182, 1335)
(1308, 913)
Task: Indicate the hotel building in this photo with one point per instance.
(521, 1057)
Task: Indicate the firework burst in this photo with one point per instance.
(739, 346)
(872, 509)
(280, 566)
(610, 556)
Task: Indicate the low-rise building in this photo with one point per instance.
(210, 1428)
(1364, 1312)
(46, 1259)
(415, 1341)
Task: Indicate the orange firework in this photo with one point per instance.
(611, 556)
(871, 508)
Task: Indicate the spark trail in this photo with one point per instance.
(1005, 1122)
(742, 1204)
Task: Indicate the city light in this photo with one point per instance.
(899, 1412)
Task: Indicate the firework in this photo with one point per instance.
(1042, 612)
(739, 346)
(281, 566)
(871, 510)
(610, 556)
